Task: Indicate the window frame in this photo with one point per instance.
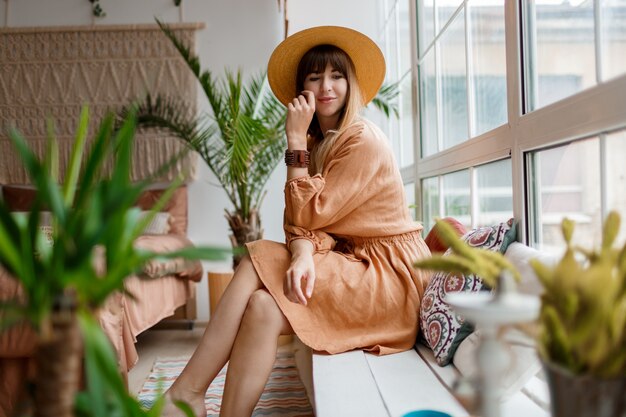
(591, 112)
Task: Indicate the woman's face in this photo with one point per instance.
(330, 89)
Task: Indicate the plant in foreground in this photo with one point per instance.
(94, 226)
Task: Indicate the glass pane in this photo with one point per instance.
(566, 184)
(494, 192)
(456, 196)
(430, 200)
(613, 26)
(404, 23)
(453, 84)
(406, 122)
(409, 192)
(560, 36)
(428, 105)
(616, 177)
(425, 24)
(445, 10)
(392, 49)
(488, 65)
(395, 136)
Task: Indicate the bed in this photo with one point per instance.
(162, 287)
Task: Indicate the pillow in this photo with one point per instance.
(520, 255)
(159, 225)
(433, 241)
(444, 330)
(156, 268)
(523, 364)
(176, 207)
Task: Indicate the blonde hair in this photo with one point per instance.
(316, 60)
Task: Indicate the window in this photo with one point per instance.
(560, 57)
(565, 184)
(396, 41)
(409, 191)
(478, 196)
(462, 74)
(521, 111)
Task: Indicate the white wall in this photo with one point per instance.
(359, 15)
(238, 34)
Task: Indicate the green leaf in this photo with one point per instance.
(386, 100)
(71, 178)
(243, 138)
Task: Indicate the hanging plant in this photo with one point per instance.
(96, 9)
(177, 2)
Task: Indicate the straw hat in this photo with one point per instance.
(367, 58)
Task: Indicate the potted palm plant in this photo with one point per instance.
(94, 226)
(582, 322)
(241, 142)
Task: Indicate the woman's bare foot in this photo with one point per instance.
(195, 401)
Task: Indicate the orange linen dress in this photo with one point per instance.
(367, 294)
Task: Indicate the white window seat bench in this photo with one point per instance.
(360, 384)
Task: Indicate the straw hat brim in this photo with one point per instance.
(368, 60)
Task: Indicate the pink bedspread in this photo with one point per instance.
(154, 298)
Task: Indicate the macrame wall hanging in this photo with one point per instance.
(51, 72)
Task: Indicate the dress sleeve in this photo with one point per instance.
(322, 241)
(349, 179)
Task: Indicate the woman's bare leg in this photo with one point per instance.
(253, 355)
(217, 342)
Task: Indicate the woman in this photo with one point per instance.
(344, 280)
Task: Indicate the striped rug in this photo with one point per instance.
(284, 394)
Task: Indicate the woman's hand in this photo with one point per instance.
(299, 115)
(302, 268)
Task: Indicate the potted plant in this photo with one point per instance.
(582, 323)
(241, 142)
(582, 339)
(94, 226)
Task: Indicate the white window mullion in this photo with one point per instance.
(415, 106)
(535, 237)
(442, 211)
(515, 92)
(598, 39)
(527, 31)
(604, 174)
(590, 112)
(474, 208)
(469, 73)
(438, 96)
(488, 147)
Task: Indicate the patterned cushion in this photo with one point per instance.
(442, 328)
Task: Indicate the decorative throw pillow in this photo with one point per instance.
(444, 330)
(159, 225)
(433, 240)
